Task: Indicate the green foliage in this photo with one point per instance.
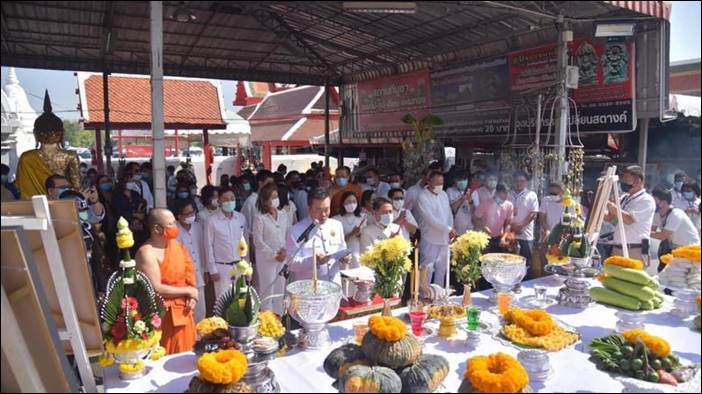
(417, 152)
(235, 314)
(76, 136)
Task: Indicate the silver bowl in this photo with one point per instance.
(313, 310)
(503, 270)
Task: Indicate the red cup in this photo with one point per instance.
(417, 319)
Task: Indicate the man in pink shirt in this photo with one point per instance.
(494, 216)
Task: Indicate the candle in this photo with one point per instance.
(448, 270)
(416, 273)
(314, 264)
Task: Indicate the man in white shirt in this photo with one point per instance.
(436, 225)
(485, 192)
(413, 192)
(190, 235)
(395, 180)
(382, 227)
(324, 239)
(672, 223)
(263, 178)
(526, 210)
(402, 217)
(551, 209)
(678, 199)
(460, 199)
(223, 231)
(134, 171)
(637, 208)
(374, 183)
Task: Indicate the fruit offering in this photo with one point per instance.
(214, 336)
(640, 355)
(627, 286)
(270, 325)
(682, 268)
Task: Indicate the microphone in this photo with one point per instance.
(305, 234)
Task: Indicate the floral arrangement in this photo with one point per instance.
(496, 373)
(536, 321)
(689, 252)
(388, 258)
(222, 367)
(659, 346)
(240, 305)
(567, 240)
(387, 328)
(624, 262)
(131, 311)
(465, 256)
(421, 148)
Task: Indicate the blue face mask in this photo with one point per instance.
(499, 201)
(229, 206)
(688, 195)
(342, 181)
(183, 195)
(247, 187)
(462, 185)
(83, 215)
(106, 187)
(386, 219)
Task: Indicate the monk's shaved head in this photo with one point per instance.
(161, 216)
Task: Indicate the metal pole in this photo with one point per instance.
(159, 159)
(98, 152)
(106, 111)
(562, 55)
(643, 143)
(326, 124)
(538, 176)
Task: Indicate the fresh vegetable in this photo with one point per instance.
(606, 296)
(628, 274)
(647, 305)
(641, 293)
(665, 377)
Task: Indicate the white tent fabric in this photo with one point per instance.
(686, 105)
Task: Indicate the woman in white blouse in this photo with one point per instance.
(353, 222)
(269, 228)
(286, 205)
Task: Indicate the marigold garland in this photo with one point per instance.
(222, 367)
(387, 328)
(659, 346)
(689, 252)
(625, 262)
(536, 322)
(666, 258)
(554, 341)
(496, 373)
(209, 325)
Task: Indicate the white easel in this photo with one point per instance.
(42, 222)
(609, 184)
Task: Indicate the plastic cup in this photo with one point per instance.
(417, 318)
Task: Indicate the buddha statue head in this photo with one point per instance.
(48, 128)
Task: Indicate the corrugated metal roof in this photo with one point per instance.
(292, 42)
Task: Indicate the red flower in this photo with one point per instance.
(144, 335)
(119, 329)
(137, 317)
(131, 302)
(155, 321)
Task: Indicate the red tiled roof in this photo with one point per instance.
(271, 131)
(188, 104)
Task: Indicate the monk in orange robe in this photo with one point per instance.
(166, 262)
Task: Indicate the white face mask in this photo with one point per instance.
(438, 189)
(385, 219)
(395, 185)
(398, 204)
(214, 203)
(351, 208)
(189, 220)
(275, 202)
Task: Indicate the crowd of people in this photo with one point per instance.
(292, 220)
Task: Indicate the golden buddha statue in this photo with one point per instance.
(36, 165)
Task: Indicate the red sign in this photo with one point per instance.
(383, 102)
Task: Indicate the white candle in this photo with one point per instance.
(448, 270)
(314, 264)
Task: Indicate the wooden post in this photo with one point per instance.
(177, 143)
(326, 124)
(98, 152)
(208, 156)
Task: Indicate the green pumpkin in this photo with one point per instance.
(342, 358)
(395, 355)
(198, 385)
(426, 375)
(364, 379)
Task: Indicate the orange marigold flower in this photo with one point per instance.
(666, 258)
(222, 367)
(496, 373)
(387, 328)
(536, 322)
(659, 346)
(690, 252)
(624, 262)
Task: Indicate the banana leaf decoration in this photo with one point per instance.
(230, 308)
(150, 303)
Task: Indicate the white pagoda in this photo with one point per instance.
(17, 121)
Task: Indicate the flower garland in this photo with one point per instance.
(666, 258)
(465, 256)
(222, 367)
(206, 327)
(690, 252)
(387, 328)
(536, 322)
(625, 262)
(127, 368)
(659, 346)
(496, 373)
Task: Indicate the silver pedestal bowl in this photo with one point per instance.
(313, 310)
(503, 270)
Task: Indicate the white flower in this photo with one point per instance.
(241, 268)
(127, 264)
(128, 281)
(139, 326)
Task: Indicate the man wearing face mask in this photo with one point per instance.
(637, 209)
(671, 225)
(678, 198)
(139, 185)
(485, 192)
(403, 217)
(382, 227)
(551, 209)
(526, 210)
(494, 217)
(223, 230)
(413, 192)
(436, 225)
(263, 178)
(341, 186)
(190, 235)
(373, 182)
(395, 180)
(169, 267)
(460, 199)
(55, 185)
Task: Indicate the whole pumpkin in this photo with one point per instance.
(426, 375)
(198, 385)
(364, 379)
(395, 355)
(342, 358)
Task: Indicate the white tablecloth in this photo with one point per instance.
(301, 371)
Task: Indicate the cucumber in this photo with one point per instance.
(647, 305)
(641, 293)
(653, 284)
(606, 296)
(627, 274)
